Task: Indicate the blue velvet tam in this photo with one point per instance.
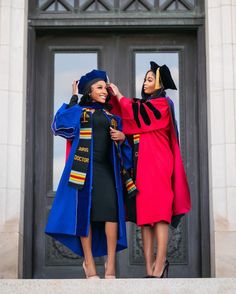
(90, 78)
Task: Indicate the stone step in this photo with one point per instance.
(120, 286)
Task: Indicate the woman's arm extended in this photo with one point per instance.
(116, 91)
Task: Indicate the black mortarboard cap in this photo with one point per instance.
(89, 78)
(165, 75)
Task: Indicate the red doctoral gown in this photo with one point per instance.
(160, 178)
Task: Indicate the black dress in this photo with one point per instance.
(104, 198)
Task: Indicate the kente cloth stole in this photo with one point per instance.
(136, 139)
(82, 154)
(129, 183)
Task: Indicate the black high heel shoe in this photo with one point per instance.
(165, 271)
(148, 277)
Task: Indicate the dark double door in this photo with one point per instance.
(125, 56)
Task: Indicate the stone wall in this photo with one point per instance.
(221, 72)
(13, 16)
(221, 76)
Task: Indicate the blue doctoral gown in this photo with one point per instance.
(69, 217)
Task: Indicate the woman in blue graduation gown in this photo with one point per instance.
(87, 214)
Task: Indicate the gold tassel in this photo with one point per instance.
(158, 80)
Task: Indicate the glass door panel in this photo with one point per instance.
(67, 67)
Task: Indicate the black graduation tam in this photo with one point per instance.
(90, 78)
(164, 74)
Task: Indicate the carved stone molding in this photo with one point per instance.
(57, 254)
(114, 6)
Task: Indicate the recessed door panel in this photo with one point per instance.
(126, 58)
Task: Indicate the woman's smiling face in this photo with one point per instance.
(99, 92)
(149, 83)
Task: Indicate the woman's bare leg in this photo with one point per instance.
(111, 230)
(88, 257)
(148, 247)
(161, 231)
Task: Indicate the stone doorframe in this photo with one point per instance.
(72, 18)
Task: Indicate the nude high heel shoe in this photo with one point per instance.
(108, 276)
(86, 273)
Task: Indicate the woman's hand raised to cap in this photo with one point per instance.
(75, 87)
(74, 98)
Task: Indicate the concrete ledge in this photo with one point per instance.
(120, 286)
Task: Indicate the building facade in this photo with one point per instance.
(45, 44)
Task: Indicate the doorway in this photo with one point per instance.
(125, 57)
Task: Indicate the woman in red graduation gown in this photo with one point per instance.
(163, 196)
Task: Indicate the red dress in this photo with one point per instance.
(161, 180)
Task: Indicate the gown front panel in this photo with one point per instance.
(154, 173)
(104, 197)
